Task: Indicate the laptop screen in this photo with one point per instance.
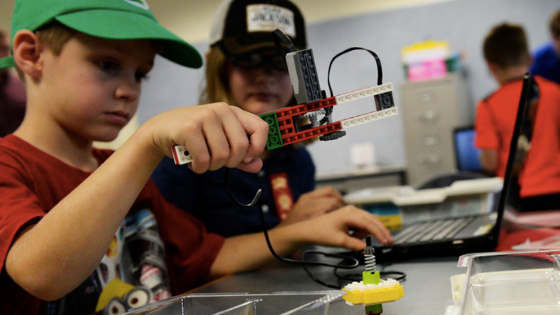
(466, 154)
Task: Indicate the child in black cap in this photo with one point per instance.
(245, 68)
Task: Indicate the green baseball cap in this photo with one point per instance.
(110, 19)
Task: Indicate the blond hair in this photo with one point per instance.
(55, 36)
(216, 87)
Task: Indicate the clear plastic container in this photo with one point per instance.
(403, 205)
(510, 283)
(308, 303)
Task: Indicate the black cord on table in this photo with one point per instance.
(303, 262)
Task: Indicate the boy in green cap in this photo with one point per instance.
(83, 230)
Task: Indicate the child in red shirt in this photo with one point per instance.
(83, 230)
(507, 56)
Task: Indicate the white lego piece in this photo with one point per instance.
(362, 155)
(368, 117)
(370, 91)
(181, 155)
(364, 287)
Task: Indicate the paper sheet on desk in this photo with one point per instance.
(549, 219)
(530, 239)
(552, 242)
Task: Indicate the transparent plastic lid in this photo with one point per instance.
(524, 282)
(308, 303)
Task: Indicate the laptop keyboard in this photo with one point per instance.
(442, 229)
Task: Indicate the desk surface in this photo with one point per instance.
(427, 288)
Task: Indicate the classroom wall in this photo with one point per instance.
(191, 19)
(462, 23)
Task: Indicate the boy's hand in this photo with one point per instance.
(332, 229)
(315, 203)
(216, 135)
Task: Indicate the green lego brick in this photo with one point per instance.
(374, 309)
(274, 137)
(371, 277)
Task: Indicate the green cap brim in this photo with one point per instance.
(7, 62)
(122, 25)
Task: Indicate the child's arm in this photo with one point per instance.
(54, 256)
(315, 203)
(489, 160)
(248, 252)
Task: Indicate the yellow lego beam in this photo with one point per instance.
(371, 294)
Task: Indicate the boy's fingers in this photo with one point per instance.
(369, 224)
(237, 138)
(252, 167)
(334, 202)
(377, 229)
(325, 204)
(355, 244)
(200, 153)
(196, 144)
(206, 141)
(218, 145)
(328, 192)
(257, 131)
(380, 232)
(225, 136)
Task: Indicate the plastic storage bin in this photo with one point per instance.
(308, 303)
(510, 283)
(402, 205)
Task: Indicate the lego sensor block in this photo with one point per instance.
(303, 75)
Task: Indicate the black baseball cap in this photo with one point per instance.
(243, 26)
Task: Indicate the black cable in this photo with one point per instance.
(232, 197)
(308, 263)
(321, 282)
(305, 253)
(303, 262)
(379, 74)
(377, 61)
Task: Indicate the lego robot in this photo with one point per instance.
(285, 125)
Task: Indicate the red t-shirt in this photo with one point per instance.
(495, 119)
(33, 182)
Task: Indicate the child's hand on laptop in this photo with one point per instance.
(332, 229)
(216, 135)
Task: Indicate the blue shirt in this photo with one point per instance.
(546, 63)
(205, 196)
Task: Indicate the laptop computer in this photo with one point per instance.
(467, 156)
(460, 235)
